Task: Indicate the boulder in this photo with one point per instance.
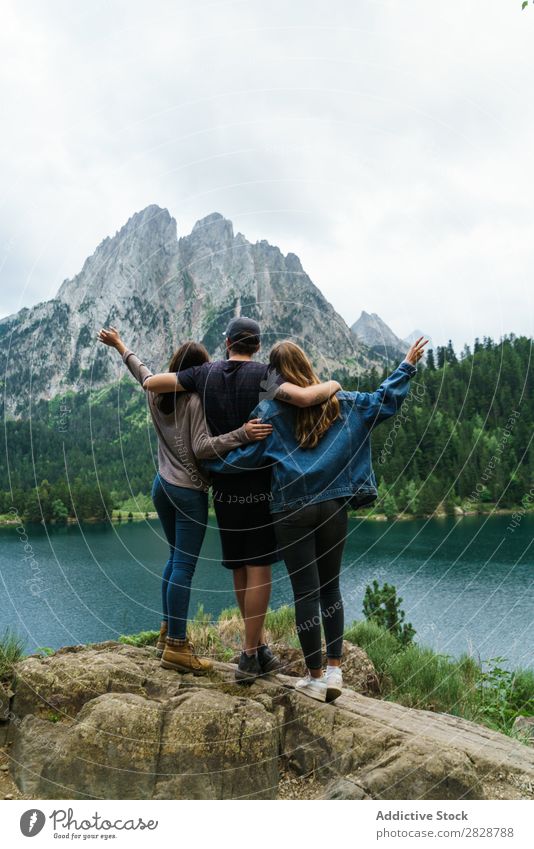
(75, 675)
(123, 727)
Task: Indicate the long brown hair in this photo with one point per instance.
(293, 365)
(186, 356)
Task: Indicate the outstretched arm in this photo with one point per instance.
(112, 339)
(387, 399)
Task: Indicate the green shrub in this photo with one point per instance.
(505, 695)
(382, 605)
(418, 677)
(522, 692)
(45, 651)
(143, 638)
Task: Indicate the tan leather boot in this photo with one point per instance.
(160, 645)
(180, 655)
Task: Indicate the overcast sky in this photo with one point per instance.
(388, 144)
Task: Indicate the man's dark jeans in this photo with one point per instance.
(311, 541)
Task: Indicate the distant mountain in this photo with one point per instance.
(378, 336)
(160, 290)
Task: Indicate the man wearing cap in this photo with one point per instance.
(230, 390)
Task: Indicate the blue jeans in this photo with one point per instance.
(183, 513)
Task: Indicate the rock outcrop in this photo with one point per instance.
(108, 722)
(161, 290)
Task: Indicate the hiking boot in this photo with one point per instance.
(160, 645)
(248, 668)
(268, 661)
(180, 655)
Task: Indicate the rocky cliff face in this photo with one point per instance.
(160, 290)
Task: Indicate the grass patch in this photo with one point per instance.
(11, 651)
(378, 644)
(222, 638)
(418, 677)
(280, 624)
(140, 640)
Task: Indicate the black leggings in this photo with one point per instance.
(311, 541)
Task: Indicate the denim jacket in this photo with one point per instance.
(339, 466)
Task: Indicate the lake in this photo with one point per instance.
(466, 583)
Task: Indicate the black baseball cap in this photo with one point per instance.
(243, 329)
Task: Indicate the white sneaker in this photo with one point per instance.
(315, 688)
(334, 682)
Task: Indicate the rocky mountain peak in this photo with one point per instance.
(160, 290)
(373, 331)
(213, 230)
(129, 261)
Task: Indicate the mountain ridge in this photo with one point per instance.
(161, 288)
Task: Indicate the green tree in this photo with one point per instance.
(382, 605)
(430, 496)
(410, 498)
(59, 511)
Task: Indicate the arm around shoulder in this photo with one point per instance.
(164, 382)
(307, 396)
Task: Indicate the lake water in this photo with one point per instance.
(467, 584)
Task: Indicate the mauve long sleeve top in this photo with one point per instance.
(183, 434)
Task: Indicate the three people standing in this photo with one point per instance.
(227, 390)
(306, 458)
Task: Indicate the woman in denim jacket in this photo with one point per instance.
(320, 461)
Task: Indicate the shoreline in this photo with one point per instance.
(8, 521)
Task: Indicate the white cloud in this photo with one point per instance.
(388, 144)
